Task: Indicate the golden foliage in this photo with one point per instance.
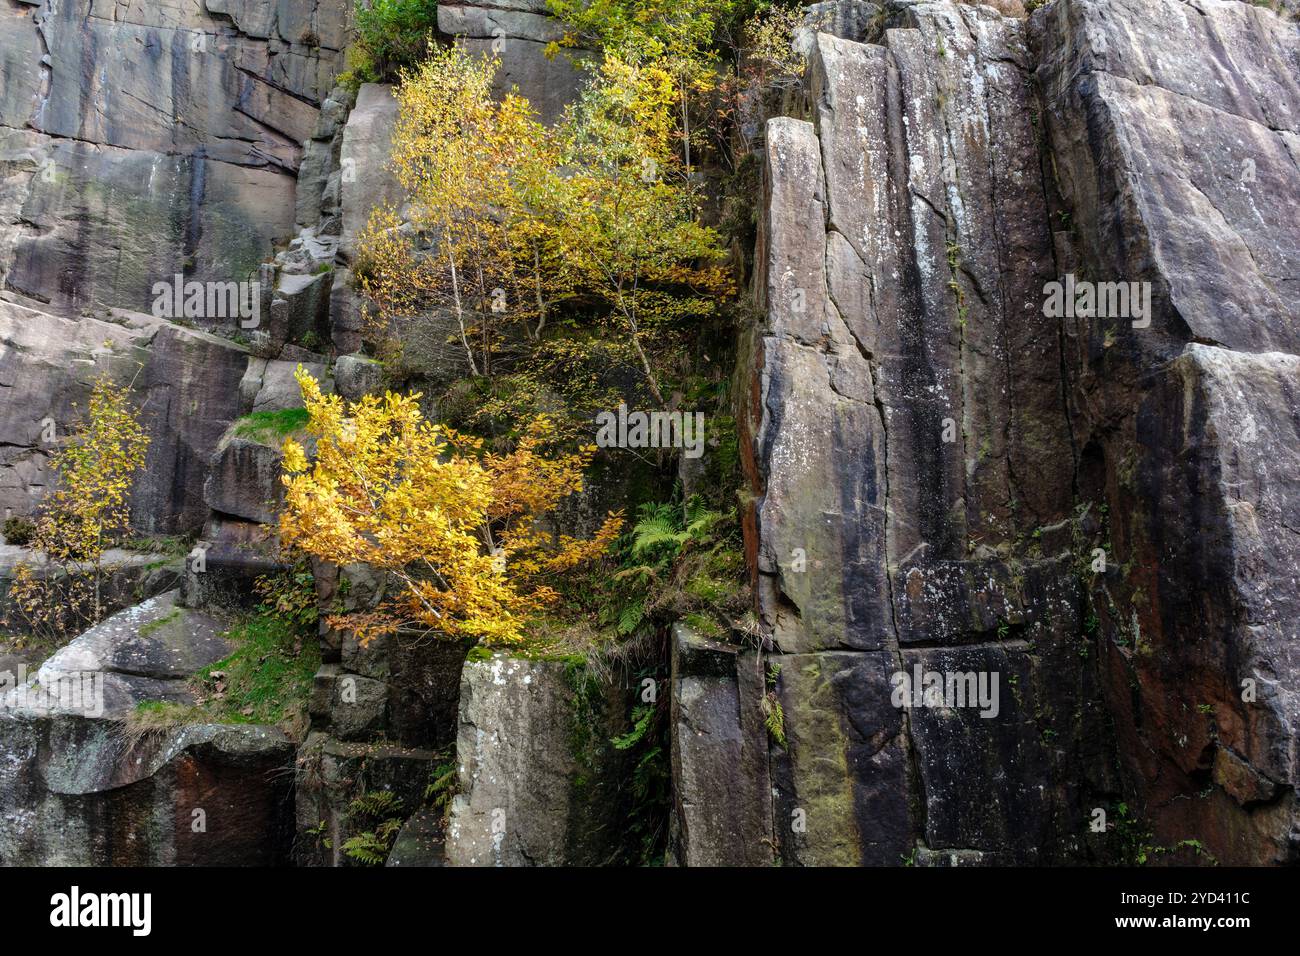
(76, 523)
(455, 533)
(510, 220)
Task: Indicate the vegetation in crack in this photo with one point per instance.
(390, 35)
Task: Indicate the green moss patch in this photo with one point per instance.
(271, 427)
(268, 677)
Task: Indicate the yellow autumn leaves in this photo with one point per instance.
(96, 470)
(455, 533)
(510, 221)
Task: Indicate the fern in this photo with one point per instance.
(774, 718)
(700, 522)
(376, 803)
(658, 526)
(661, 527)
(629, 619)
(641, 717)
(370, 848)
(442, 785)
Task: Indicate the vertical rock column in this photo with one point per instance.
(911, 460)
(1175, 128)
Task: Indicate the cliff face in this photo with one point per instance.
(912, 456)
(1093, 516)
(1174, 137)
(936, 457)
(138, 142)
(141, 139)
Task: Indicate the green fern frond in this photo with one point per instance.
(654, 533)
(774, 718)
(366, 848)
(630, 617)
(376, 803)
(641, 717)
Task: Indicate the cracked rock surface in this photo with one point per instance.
(934, 456)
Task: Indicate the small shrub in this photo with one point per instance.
(391, 34)
(96, 468)
(19, 531)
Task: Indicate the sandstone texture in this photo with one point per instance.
(1094, 510)
(935, 456)
(142, 140)
(533, 758)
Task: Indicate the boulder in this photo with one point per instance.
(228, 558)
(300, 309)
(270, 385)
(356, 375)
(420, 841)
(245, 480)
(76, 790)
(534, 767)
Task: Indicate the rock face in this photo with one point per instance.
(517, 32)
(367, 140)
(139, 144)
(186, 385)
(383, 717)
(533, 754)
(76, 790)
(1176, 133)
(1013, 564)
(939, 458)
(718, 747)
(185, 163)
(903, 247)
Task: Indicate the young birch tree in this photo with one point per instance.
(455, 533)
(593, 215)
(85, 514)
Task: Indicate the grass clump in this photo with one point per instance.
(174, 546)
(268, 427)
(265, 680)
(158, 716)
(268, 677)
